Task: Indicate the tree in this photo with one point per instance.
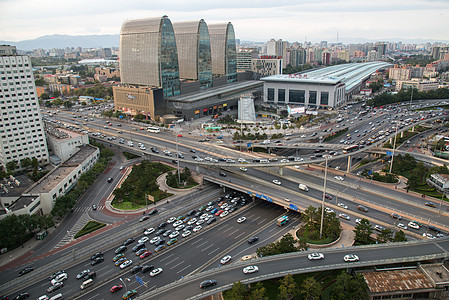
(399, 236)
(385, 236)
(258, 292)
(288, 288)
(26, 162)
(238, 291)
(11, 166)
(56, 93)
(45, 96)
(311, 289)
(363, 232)
(349, 287)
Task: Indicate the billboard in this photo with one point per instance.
(297, 110)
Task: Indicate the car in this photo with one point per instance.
(82, 274)
(431, 204)
(144, 218)
(162, 225)
(207, 283)
(340, 178)
(197, 228)
(144, 254)
(94, 207)
(186, 233)
(224, 214)
(241, 219)
(350, 258)
(156, 272)
(128, 241)
(161, 231)
(116, 288)
(344, 216)
(428, 235)
(328, 210)
(177, 223)
(219, 212)
(315, 256)
(120, 261)
(147, 268)
(188, 228)
(61, 277)
(342, 205)
(180, 227)
(171, 220)
(213, 211)
(402, 226)
(167, 233)
(223, 174)
(160, 242)
(121, 249)
(396, 216)
(362, 208)
(250, 269)
(192, 221)
(55, 287)
(225, 259)
(22, 296)
(97, 261)
(433, 228)
(378, 228)
(243, 169)
(126, 263)
(173, 234)
(98, 254)
(358, 221)
(118, 256)
(275, 181)
(141, 251)
(26, 271)
(172, 241)
(129, 294)
(327, 196)
(143, 240)
(149, 231)
(110, 179)
(253, 239)
(413, 225)
(136, 269)
(209, 208)
(211, 220)
(153, 211)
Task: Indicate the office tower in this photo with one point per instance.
(21, 127)
(148, 54)
(194, 54)
(223, 50)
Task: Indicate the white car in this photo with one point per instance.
(350, 258)
(125, 264)
(186, 233)
(180, 227)
(328, 210)
(402, 226)
(413, 225)
(243, 169)
(201, 221)
(156, 272)
(204, 216)
(173, 234)
(171, 220)
(177, 223)
(338, 167)
(314, 256)
(277, 182)
(224, 206)
(241, 220)
(358, 221)
(250, 269)
(148, 231)
(197, 228)
(143, 240)
(224, 214)
(339, 178)
(344, 216)
(192, 221)
(209, 208)
(155, 239)
(60, 278)
(428, 235)
(342, 205)
(225, 259)
(284, 160)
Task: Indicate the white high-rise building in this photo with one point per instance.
(21, 127)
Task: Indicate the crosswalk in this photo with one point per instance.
(77, 227)
(89, 208)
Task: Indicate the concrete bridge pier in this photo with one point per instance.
(197, 169)
(269, 150)
(402, 134)
(349, 164)
(281, 171)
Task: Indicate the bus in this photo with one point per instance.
(351, 149)
(282, 220)
(153, 129)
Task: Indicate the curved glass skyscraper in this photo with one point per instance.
(194, 53)
(148, 54)
(224, 54)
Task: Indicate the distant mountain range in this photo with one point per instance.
(112, 40)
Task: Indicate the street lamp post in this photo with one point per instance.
(394, 146)
(324, 197)
(126, 287)
(177, 157)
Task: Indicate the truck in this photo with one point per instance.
(303, 187)
(282, 220)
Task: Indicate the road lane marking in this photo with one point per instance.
(257, 218)
(224, 231)
(236, 237)
(261, 221)
(174, 259)
(183, 269)
(213, 251)
(176, 265)
(94, 297)
(202, 244)
(198, 240)
(167, 257)
(233, 232)
(206, 248)
(102, 268)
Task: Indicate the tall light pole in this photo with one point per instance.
(324, 197)
(394, 146)
(177, 156)
(124, 283)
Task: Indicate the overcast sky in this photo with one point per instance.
(291, 20)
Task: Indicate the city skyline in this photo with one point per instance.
(253, 20)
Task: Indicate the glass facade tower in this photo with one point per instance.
(224, 54)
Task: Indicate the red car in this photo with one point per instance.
(179, 135)
(145, 254)
(219, 212)
(116, 288)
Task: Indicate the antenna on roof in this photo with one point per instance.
(337, 36)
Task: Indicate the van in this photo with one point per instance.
(303, 187)
(57, 297)
(86, 284)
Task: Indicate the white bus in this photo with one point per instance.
(153, 129)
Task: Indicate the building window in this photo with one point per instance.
(324, 98)
(312, 98)
(270, 96)
(281, 95)
(296, 96)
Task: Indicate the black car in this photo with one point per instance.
(82, 274)
(153, 211)
(223, 174)
(167, 233)
(110, 179)
(160, 231)
(147, 268)
(120, 249)
(191, 212)
(433, 228)
(53, 276)
(396, 216)
(97, 260)
(211, 220)
(253, 240)
(136, 269)
(160, 242)
(207, 283)
(90, 275)
(192, 150)
(138, 247)
(144, 218)
(98, 254)
(362, 208)
(128, 241)
(22, 296)
(25, 271)
(162, 225)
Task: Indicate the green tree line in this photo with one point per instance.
(404, 95)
